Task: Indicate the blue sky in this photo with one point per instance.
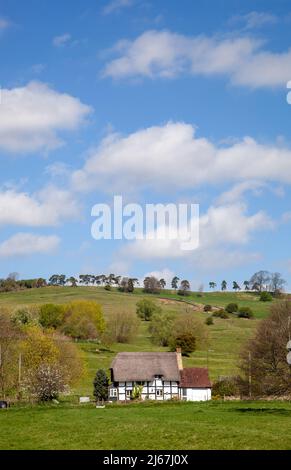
(158, 101)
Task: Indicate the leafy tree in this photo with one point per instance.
(72, 281)
(152, 285)
(184, 288)
(174, 283)
(247, 285)
(188, 323)
(83, 319)
(223, 285)
(235, 286)
(127, 284)
(38, 348)
(161, 328)
(264, 356)
(163, 283)
(231, 308)
(212, 284)
(100, 385)
(187, 343)
(146, 308)
(51, 316)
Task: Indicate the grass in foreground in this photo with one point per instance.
(152, 426)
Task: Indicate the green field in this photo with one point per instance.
(214, 425)
(226, 336)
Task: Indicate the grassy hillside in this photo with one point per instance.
(214, 425)
(226, 337)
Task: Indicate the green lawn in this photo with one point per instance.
(214, 425)
(226, 337)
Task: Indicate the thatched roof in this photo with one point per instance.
(143, 366)
(195, 377)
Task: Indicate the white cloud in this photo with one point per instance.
(238, 190)
(254, 19)
(222, 230)
(62, 40)
(25, 244)
(48, 207)
(164, 54)
(172, 157)
(116, 5)
(165, 273)
(32, 116)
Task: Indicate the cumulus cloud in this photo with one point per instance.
(48, 207)
(25, 244)
(32, 116)
(221, 228)
(243, 60)
(172, 157)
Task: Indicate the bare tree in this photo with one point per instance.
(263, 361)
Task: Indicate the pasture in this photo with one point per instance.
(150, 426)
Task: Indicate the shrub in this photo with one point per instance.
(121, 327)
(209, 321)
(227, 387)
(51, 316)
(187, 343)
(146, 308)
(245, 312)
(266, 296)
(220, 314)
(231, 308)
(22, 317)
(207, 308)
(107, 287)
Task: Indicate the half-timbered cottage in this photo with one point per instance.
(159, 376)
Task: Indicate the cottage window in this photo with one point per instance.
(113, 392)
(129, 393)
(159, 393)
